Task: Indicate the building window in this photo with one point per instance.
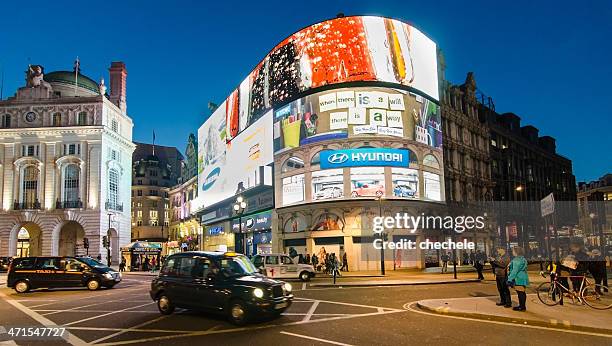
(71, 183)
(114, 125)
(292, 163)
(139, 223)
(57, 119)
(30, 186)
(29, 150)
(153, 214)
(113, 188)
(139, 214)
(431, 161)
(6, 121)
(82, 119)
(139, 192)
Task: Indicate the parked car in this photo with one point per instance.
(328, 192)
(368, 190)
(26, 273)
(226, 283)
(282, 266)
(5, 263)
(403, 191)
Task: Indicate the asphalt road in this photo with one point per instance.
(340, 316)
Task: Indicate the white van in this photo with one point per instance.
(282, 266)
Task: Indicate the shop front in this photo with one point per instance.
(219, 237)
(141, 255)
(253, 233)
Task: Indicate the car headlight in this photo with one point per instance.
(258, 292)
(287, 287)
(108, 275)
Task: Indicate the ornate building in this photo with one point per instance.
(155, 170)
(185, 227)
(595, 212)
(65, 154)
(467, 169)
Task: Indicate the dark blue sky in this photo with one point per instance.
(550, 62)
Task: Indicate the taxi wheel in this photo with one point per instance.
(22, 286)
(93, 285)
(304, 276)
(164, 305)
(238, 314)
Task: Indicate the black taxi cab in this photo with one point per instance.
(226, 283)
(26, 273)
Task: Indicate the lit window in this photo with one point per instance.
(71, 183)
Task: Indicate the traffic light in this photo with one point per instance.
(105, 241)
(85, 243)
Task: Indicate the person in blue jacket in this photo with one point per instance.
(518, 278)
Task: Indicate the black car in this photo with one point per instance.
(5, 263)
(26, 273)
(220, 282)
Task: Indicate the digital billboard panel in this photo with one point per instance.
(340, 50)
(229, 168)
(359, 111)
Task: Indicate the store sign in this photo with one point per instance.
(215, 230)
(365, 157)
(547, 205)
(255, 222)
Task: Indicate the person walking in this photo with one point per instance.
(597, 268)
(479, 263)
(344, 263)
(153, 264)
(307, 259)
(314, 261)
(500, 269)
(518, 278)
(122, 265)
(445, 258)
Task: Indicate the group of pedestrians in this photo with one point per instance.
(511, 274)
(327, 263)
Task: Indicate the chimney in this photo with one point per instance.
(118, 77)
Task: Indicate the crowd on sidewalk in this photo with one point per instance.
(323, 262)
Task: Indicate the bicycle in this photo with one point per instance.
(595, 296)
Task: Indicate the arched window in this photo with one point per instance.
(30, 188)
(57, 119)
(82, 120)
(431, 161)
(6, 121)
(71, 185)
(292, 163)
(113, 189)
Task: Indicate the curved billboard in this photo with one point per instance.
(340, 50)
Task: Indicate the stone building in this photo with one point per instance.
(65, 155)
(155, 170)
(595, 212)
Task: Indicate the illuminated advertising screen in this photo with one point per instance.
(340, 50)
(357, 112)
(226, 169)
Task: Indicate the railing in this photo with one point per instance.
(114, 206)
(26, 205)
(78, 204)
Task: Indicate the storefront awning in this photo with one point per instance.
(143, 247)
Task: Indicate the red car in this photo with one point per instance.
(365, 189)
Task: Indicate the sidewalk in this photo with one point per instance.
(568, 316)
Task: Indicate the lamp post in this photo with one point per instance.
(382, 237)
(108, 240)
(239, 208)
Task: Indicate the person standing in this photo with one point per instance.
(344, 263)
(153, 264)
(581, 263)
(518, 278)
(597, 268)
(315, 261)
(122, 265)
(445, 258)
(479, 264)
(500, 268)
(307, 259)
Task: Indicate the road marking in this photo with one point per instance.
(316, 339)
(106, 329)
(408, 306)
(76, 308)
(69, 337)
(125, 331)
(311, 311)
(103, 315)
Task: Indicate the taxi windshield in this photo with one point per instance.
(237, 266)
(91, 262)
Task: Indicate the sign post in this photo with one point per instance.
(547, 207)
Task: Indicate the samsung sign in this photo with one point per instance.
(365, 157)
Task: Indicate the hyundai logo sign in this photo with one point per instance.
(365, 157)
(337, 158)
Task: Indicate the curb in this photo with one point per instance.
(383, 283)
(563, 325)
(138, 274)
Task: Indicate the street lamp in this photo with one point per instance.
(239, 208)
(382, 237)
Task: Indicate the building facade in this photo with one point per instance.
(65, 154)
(595, 212)
(155, 170)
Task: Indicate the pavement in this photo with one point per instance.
(568, 316)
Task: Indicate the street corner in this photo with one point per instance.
(569, 317)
